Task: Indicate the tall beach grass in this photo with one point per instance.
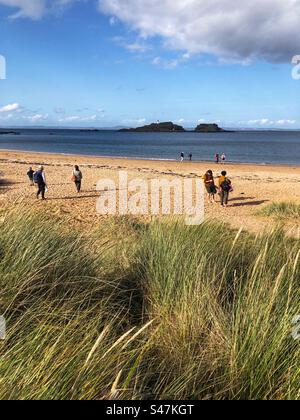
(147, 311)
(282, 210)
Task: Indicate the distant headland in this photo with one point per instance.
(13, 133)
(169, 127)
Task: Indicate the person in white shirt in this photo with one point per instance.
(77, 178)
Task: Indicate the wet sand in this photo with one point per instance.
(254, 186)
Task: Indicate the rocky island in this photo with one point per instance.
(169, 127)
(164, 127)
(209, 128)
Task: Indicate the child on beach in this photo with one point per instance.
(210, 186)
(30, 175)
(225, 187)
(77, 178)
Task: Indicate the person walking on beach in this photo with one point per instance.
(223, 158)
(40, 180)
(77, 178)
(225, 188)
(210, 186)
(182, 157)
(191, 157)
(217, 158)
(30, 175)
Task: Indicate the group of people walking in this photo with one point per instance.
(38, 178)
(224, 187)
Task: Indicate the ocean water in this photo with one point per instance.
(264, 147)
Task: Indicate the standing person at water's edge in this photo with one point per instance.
(225, 188)
(181, 156)
(217, 158)
(77, 178)
(40, 180)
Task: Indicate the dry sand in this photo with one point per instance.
(254, 186)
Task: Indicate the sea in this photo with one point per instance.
(262, 147)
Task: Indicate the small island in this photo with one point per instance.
(209, 128)
(164, 127)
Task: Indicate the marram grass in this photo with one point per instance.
(282, 210)
(147, 311)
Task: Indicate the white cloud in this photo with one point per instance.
(10, 108)
(231, 30)
(36, 118)
(134, 47)
(34, 9)
(135, 121)
(286, 122)
(26, 8)
(165, 64)
(78, 118)
(266, 122)
(137, 47)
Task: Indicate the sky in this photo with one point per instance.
(107, 63)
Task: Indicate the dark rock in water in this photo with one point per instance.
(164, 127)
(89, 130)
(14, 133)
(209, 128)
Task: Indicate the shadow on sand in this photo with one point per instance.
(250, 203)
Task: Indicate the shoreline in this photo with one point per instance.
(153, 160)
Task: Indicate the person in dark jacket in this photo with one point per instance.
(225, 187)
(40, 180)
(30, 175)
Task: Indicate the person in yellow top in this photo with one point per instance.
(210, 186)
(225, 188)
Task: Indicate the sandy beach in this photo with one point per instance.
(254, 186)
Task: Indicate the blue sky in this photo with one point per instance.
(90, 63)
